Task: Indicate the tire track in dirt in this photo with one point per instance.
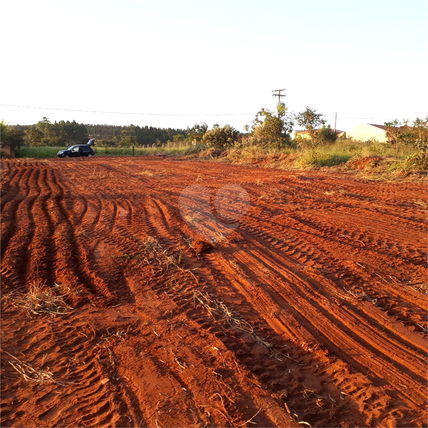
(79, 207)
(104, 229)
(40, 267)
(368, 279)
(255, 262)
(72, 266)
(366, 239)
(169, 375)
(84, 392)
(372, 344)
(17, 238)
(325, 263)
(265, 371)
(292, 318)
(92, 215)
(166, 364)
(318, 247)
(284, 366)
(10, 178)
(11, 201)
(159, 221)
(334, 316)
(331, 319)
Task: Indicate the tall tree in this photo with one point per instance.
(311, 121)
(396, 133)
(420, 126)
(270, 130)
(33, 137)
(129, 137)
(197, 131)
(11, 137)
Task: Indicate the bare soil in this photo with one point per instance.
(312, 311)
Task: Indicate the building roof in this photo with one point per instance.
(338, 131)
(378, 126)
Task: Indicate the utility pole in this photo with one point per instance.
(279, 95)
(335, 119)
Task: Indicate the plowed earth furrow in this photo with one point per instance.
(310, 309)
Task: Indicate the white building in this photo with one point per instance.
(368, 132)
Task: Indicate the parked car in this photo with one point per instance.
(74, 151)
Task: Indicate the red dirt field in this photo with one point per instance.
(308, 309)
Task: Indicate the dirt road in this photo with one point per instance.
(207, 294)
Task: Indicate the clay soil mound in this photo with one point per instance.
(308, 307)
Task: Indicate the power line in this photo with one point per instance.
(127, 113)
(181, 114)
(365, 118)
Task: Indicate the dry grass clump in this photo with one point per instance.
(153, 254)
(42, 300)
(219, 309)
(147, 173)
(222, 311)
(109, 339)
(152, 247)
(30, 374)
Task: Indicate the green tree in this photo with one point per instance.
(45, 127)
(129, 137)
(311, 121)
(128, 141)
(73, 132)
(197, 131)
(11, 137)
(62, 133)
(397, 132)
(178, 139)
(3, 128)
(326, 135)
(221, 137)
(33, 137)
(420, 127)
(270, 130)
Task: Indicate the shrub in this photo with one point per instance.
(326, 135)
(270, 131)
(191, 150)
(418, 161)
(319, 159)
(311, 121)
(221, 138)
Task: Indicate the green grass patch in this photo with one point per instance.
(38, 152)
(318, 160)
(51, 152)
(331, 155)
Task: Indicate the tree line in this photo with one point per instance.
(66, 133)
(269, 130)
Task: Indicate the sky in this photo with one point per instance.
(176, 63)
